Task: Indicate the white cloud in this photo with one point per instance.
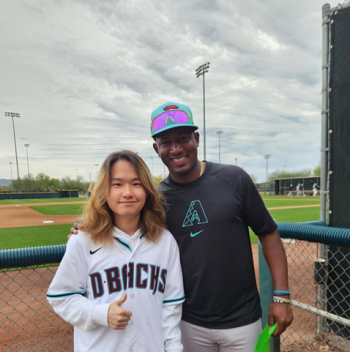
(85, 76)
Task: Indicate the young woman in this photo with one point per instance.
(120, 280)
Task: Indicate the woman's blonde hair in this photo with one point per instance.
(98, 220)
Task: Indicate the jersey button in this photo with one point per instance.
(131, 323)
(132, 295)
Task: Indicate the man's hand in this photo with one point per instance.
(276, 259)
(282, 314)
(75, 228)
(118, 318)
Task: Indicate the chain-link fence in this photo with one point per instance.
(27, 322)
(321, 297)
(321, 293)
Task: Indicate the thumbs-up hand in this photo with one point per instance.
(118, 317)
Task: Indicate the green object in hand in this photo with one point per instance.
(263, 344)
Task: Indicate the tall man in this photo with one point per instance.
(211, 207)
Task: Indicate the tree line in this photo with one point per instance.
(289, 174)
(44, 183)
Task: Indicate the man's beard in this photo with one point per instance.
(182, 172)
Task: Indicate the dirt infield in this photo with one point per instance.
(20, 215)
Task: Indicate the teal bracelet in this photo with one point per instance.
(285, 292)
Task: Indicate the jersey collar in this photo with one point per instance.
(194, 183)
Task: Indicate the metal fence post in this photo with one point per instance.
(326, 10)
(266, 293)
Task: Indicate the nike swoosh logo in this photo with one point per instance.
(195, 234)
(93, 252)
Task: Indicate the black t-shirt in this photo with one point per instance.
(209, 219)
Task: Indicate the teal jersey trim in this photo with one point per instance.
(65, 294)
(123, 243)
(173, 300)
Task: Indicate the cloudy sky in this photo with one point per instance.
(85, 75)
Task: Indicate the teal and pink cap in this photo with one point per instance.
(171, 115)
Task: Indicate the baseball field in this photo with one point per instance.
(47, 222)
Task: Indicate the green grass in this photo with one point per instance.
(64, 209)
(291, 215)
(253, 237)
(290, 202)
(34, 236)
(45, 200)
(296, 215)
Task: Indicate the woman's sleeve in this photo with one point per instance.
(172, 304)
(67, 291)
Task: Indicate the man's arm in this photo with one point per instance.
(275, 257)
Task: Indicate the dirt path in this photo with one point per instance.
(20, 215)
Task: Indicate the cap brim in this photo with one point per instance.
(167, 128)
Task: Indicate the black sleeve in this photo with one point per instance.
(255, 213)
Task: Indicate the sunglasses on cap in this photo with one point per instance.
(172, 117)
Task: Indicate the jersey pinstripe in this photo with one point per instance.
(91, 277)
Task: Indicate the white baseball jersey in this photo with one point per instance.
(91, 277)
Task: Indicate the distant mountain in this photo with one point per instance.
(4, 182)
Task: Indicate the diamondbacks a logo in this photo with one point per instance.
(195, 214)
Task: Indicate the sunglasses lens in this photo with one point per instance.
(175, 116)
(179, 116)
(159, 122)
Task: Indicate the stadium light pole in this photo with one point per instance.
(27, 145)
(267, 157)
(236, 159)
(219, 133)
(14, 114)
(77, 172)
(11, 170)
(152, 165)
(201, 71)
